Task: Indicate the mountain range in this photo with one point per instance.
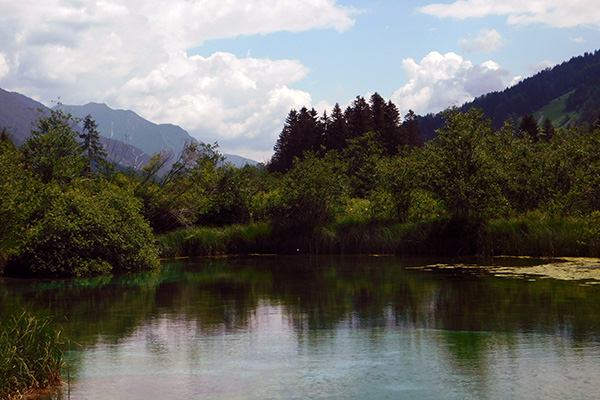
(129, 139)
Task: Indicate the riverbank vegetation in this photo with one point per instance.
(355, 181)
(31, 354)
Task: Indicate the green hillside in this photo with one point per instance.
(557, 112)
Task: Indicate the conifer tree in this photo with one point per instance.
(337, 130)
(91, 147)
(286, 147)
(547, 130)
(358, 116)
(412, 132)
(529, 127)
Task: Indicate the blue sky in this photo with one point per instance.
(230, 70)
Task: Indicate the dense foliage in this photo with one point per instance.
(60, 216)
(335, 183)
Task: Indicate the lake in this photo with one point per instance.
(326, 327)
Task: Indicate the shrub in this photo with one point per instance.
(83, 232)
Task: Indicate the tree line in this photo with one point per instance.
(67, 211)
(305, 131)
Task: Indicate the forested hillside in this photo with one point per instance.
(578, 78)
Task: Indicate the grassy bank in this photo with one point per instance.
(30, 355)
(211, 241)
(542, 236)
(532, 236)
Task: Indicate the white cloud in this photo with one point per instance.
(558, 13)
(487, 41)
(132, 54)
(440, 81)
(4, 68)
(534, 69)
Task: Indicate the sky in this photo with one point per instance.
(229, 71)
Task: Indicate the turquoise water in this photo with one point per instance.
(321, 328)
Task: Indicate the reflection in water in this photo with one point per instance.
(321, 327)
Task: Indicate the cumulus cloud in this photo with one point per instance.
(487, 41)
(556, 13)
(132, 54)
(3, 65)
(440, 81)
(534, 69)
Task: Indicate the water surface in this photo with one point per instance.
(270, 327)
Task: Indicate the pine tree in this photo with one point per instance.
(91, 147)
(337, 130)
(391, 133)
(358, 116)
(529, 127)
(412, 132)
(547, 130)
(285, 147)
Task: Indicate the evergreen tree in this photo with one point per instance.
(309, 131)
(286, 146)
(391, 134)
(337, 130)
(301, 132)
(529, 127)
(547, 130)
(358, 115)
(91, 147)
(378, 113)
(412, 134)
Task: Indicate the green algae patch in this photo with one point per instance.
(567, 268)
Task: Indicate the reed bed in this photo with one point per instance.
(211, 241)
(545, 237)
(529, 235)
(30, 355)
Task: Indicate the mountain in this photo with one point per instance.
(568, 93)
(128, 127)
(129, 139)
(18, 114)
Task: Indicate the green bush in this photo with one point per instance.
(83, 231)
(30, 355)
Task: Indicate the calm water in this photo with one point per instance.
(321, 328)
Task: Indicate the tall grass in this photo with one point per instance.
(211, 241)
(536, 236)
(532, 235)
(30, 355)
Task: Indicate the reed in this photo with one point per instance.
(211, 241)
(30, 355)
(532, 235)
(536, 236)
